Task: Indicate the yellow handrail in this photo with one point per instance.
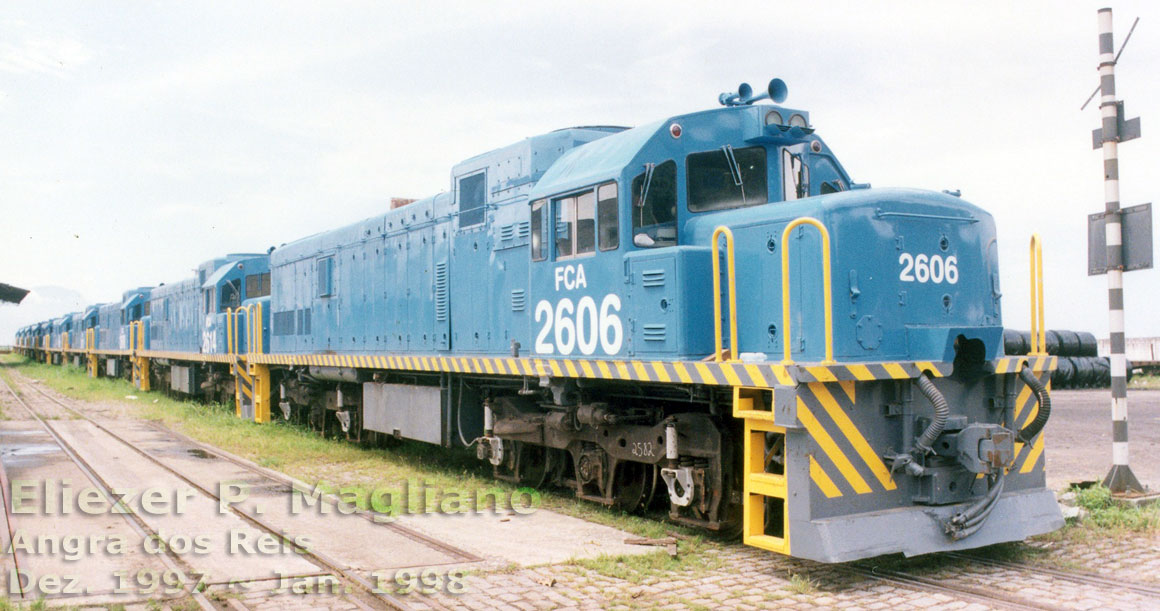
(256, 330)
(717, 294)
(1038, 327)
(229, 330)
(140, 342)
(785, 318)
(233, 336)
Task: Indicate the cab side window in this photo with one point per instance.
(576, 225)
(654, 206)
(608, 216)
(795, 176)
(257, 285)
(231, 295)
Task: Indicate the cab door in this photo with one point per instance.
(577, 274)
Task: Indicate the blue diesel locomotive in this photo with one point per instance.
(704, 312)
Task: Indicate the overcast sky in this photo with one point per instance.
(137, 140)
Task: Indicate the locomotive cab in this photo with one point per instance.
(232, 281)
(134, 308)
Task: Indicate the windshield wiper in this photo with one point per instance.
(734, 170)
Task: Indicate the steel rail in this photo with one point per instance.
(461, 555)
(138, 524)
(4, 488)
(316, 557)
(1078, 577)
(924, 584)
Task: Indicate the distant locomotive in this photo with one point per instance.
(705, 310)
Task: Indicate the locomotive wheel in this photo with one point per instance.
(633, 486)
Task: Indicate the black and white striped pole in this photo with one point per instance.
(1120, 478)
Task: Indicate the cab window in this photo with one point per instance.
(795, 176)
(231, 295)
(608, 216)
(257, 285)
(575, 225)
(726, 178)
(654, 205)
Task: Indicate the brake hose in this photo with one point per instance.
(1027, 433)
(942, 411)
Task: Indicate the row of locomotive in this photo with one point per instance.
(704, 312)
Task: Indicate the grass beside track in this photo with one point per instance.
(352, 470)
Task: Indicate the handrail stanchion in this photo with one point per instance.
(785, 300)
(717, 356)
(1038, 327)
(229, 330)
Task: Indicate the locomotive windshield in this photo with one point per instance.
(726, 178)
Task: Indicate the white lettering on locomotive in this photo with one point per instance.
(571, 325)
(571, 277)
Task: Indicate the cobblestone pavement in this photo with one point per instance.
(737, 577)
(1135, 559)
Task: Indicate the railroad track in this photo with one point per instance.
(459, 555)
(1092, 579)
(368, 596)
(990, 598)
(172, 561)
(994, 598)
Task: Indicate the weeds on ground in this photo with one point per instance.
(640, 568)
(801, 584)
(1105, 513)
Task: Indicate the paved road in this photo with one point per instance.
(1079, 436)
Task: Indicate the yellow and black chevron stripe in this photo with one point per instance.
(865, 372)
(188, 356)
(1013, 364)
(753, 375)
(244, 380)
(843, 462)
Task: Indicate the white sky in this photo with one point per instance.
(137, 140)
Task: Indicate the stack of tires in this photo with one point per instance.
(1078, 365)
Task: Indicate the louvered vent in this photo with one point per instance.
(653, 277)
(655, 333)
(519, 300)
(524, 229)
(507, 232)
(441, 291)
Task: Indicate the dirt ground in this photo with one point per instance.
(1079, 436)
